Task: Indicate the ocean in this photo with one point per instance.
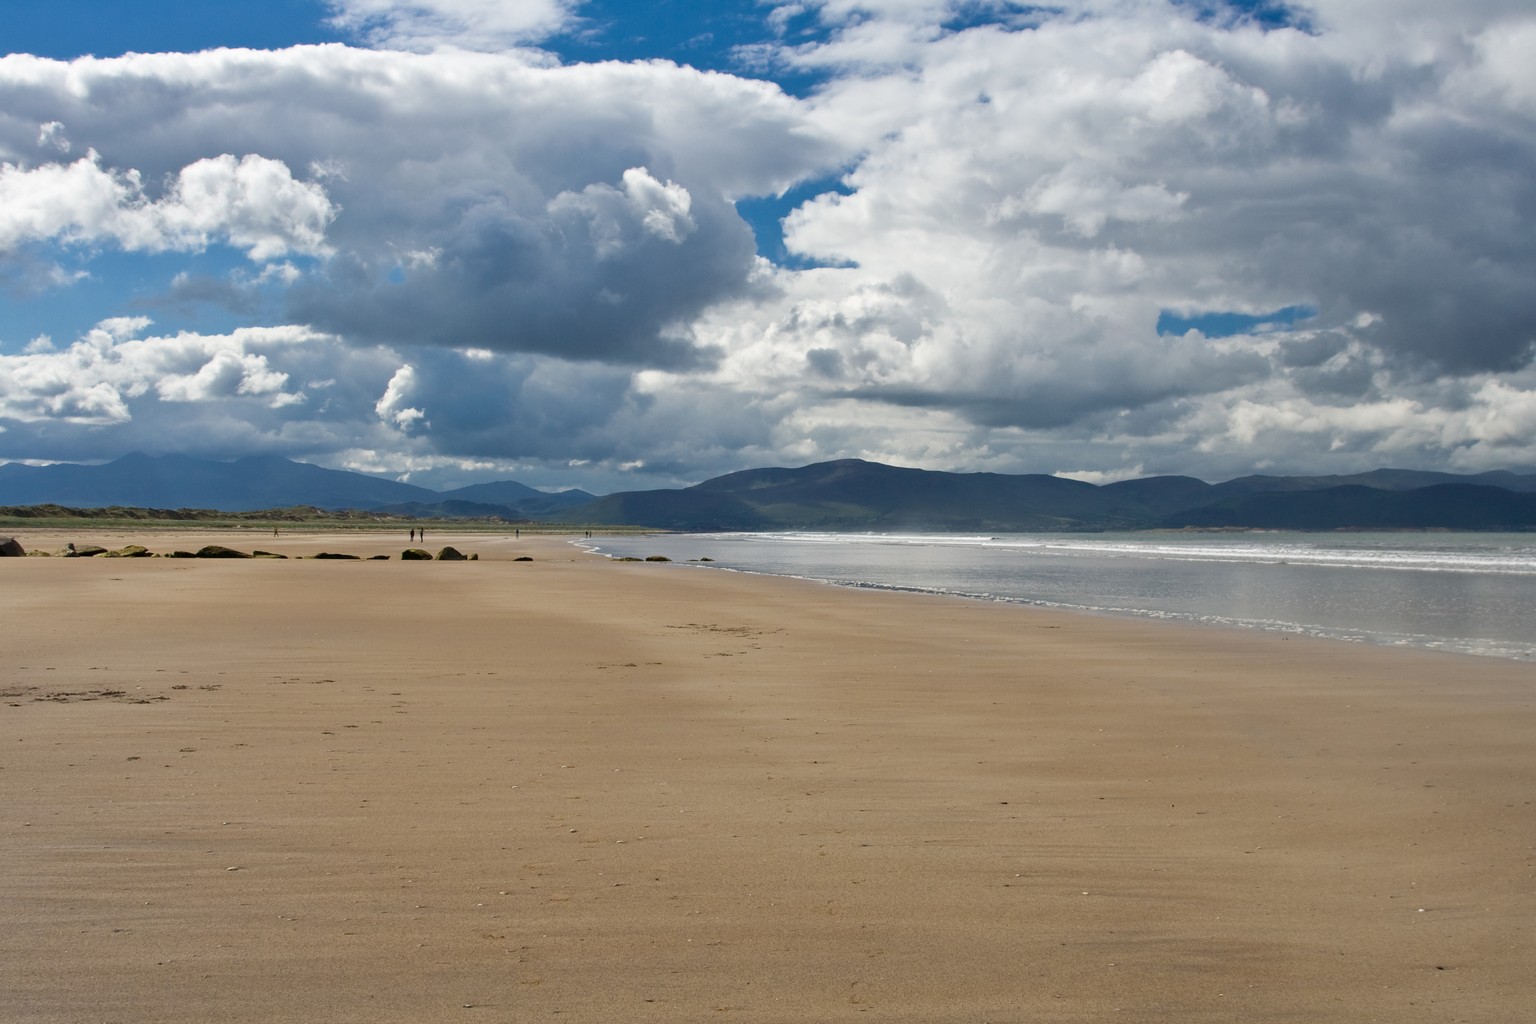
(1472, 593)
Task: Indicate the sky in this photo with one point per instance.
(584, 243)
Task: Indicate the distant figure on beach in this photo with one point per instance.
(413, 533)
(274, 531)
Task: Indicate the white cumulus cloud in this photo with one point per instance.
(391, 406)
(101, 377)
(251, 203)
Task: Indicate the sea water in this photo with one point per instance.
(1473, 593)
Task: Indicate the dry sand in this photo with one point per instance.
(583, 790)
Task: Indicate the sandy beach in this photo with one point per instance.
(582, 790)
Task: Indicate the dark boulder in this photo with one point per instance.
(451, 555)
(10, 547)
(415, 555)
(220, 551)
(332, 554)
(131, 551)
(85, 551)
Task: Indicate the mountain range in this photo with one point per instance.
(848, 494)
(851, 494)
(263, 482)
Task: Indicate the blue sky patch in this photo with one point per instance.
(1225, 325)
(766, 216)
(710, 36)
(1267, 14)
(65, 29)
(212, 291)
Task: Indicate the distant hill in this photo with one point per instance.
(847, 494)
(1441, 506)
(180, 481)
(515, 495)
(1378, 479)
(257, 482)
(851, 494)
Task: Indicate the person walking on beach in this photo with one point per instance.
(413, 533)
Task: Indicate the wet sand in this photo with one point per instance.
(582, 790)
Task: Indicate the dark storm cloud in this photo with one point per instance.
(610, 274)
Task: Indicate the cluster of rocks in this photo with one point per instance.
(445, 555)
(10, 547)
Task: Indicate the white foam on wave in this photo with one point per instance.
(1476, 553)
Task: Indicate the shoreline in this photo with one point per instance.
(1503, 635)
(617, 791)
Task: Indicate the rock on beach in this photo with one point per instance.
(130, 551)
(219, 551)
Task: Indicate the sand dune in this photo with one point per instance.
(583, 790)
